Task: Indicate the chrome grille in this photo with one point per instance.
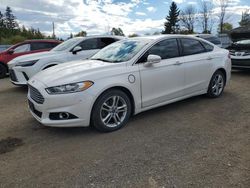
(36, 95)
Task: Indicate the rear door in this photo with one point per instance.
(198, 62)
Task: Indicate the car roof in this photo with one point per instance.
(163, 36)
(203, 35)
(102, 36)
(42, 40)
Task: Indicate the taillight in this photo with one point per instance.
(229, 56)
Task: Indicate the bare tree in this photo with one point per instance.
(223, 4)
(206, 16)
(188, 17)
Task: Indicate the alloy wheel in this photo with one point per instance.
(113, 111)
(218, 85)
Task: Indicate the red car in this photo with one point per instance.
(23, 48)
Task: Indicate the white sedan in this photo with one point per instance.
(126, 78)
(24, 67)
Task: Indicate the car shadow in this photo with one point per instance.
(170, 107)
(245, 73)
(15, 89)
(63, 131)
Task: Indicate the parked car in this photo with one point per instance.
(211, 38)
(23, 48)
(24, 67)
(126, 78)
(240, 54)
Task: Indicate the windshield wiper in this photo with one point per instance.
(105, 60)
(100, 59)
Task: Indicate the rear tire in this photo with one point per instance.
(111, 111)
(216, 85)
(3, 71)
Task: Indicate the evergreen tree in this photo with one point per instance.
(81, 34)
(171, 25)
(117, 31)
(1, 20)
(10, 19)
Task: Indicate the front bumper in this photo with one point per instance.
(78, 104)
(241, 63)
(18, 76)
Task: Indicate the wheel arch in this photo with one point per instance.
(122, 88)
(5, 65)
(224, 73)
(49, 65)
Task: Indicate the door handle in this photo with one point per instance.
(209, 58)
(177, 63)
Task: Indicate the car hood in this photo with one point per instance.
(241, 47)
(35, 56)
(240, 33)
(77, 71)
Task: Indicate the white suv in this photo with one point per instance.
(128, 77)
(79, 48)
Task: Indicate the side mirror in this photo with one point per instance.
(11, 51)
(152, 59)
(76, 49)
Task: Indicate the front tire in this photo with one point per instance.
(3, 71)
(111, 111)
(216, 85)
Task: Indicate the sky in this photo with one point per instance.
(100, 16)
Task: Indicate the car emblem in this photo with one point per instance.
(33, 81)
(239, 53)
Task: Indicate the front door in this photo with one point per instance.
(163, 81)
(89, 48)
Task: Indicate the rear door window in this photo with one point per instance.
(41, 45)
(207, 46)
(191, 47)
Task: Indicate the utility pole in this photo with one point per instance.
(53, 26)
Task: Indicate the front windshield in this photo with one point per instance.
(120, 51)
(243, 42)
(65, 45)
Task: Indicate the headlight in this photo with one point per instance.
(69, 88)
(27, 63)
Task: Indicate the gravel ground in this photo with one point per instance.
(198, 142)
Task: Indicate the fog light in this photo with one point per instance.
(64, 115)
(61, 116)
